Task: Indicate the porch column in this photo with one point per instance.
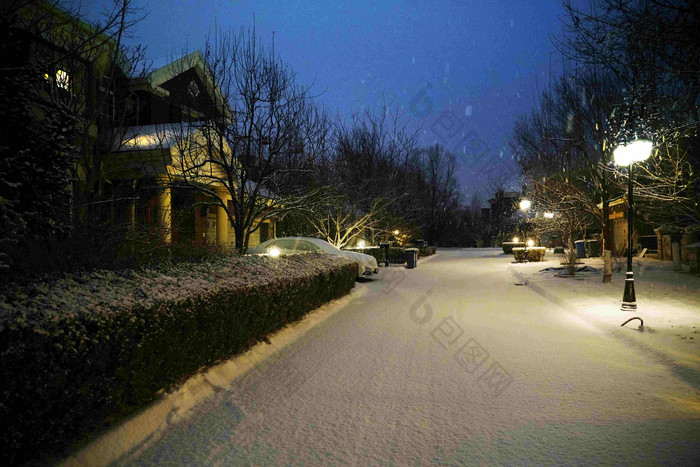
(222, 218)
(164, 208)
(131, 215)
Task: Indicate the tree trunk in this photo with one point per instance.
(607, 243)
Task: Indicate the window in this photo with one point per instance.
(61, 79)
(192, 90)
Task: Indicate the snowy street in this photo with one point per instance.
(450, 363)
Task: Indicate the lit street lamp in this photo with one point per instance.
(524, 206)
(628, 154)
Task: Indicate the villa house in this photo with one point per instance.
(166, 111)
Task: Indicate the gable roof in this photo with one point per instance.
(192, 61)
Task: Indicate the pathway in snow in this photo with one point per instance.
(449, 363)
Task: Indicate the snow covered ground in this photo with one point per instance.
(667, 301)
(449, 363)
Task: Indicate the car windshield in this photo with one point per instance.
(293, 246)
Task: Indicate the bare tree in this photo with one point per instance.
(569, 139)
(255, 139)
(652, 47)
(338, 221)
(442, 198)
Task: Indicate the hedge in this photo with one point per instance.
(533, 254)
(80, 350)
(396, 254)
(508, 246)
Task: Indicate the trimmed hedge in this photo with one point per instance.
(397, 255)
(532, 254)
(82, 350)
(508, 246)
(426, 251)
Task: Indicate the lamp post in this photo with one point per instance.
(628, 154)
(524, 206)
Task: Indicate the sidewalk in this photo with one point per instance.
(668, 301)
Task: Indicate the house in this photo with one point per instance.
(168, 111)
(131, 128)
(658, 241)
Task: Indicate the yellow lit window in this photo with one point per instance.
(61, 79)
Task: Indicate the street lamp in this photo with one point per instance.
(524, 206)
(628, 154)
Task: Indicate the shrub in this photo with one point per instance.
(520, 254)
(533, 253)
(536, 253)
(569, 259)
(426, 251)
(509, 246)
(81, 348)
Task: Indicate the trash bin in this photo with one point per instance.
(593, 248)
(580, 248)
(411, 258)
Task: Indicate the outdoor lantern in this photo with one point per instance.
(274, 252)
(396, 232)
(515, 239)
(549, 215)
(636, 151)
(628, 154)
(530, 243)
(361, 243)
(525, 204)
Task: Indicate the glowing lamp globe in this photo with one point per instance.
(274, 252)
(525, 204)
(515, 239)
(636, 151)
(361, 243)
(549, 215)
(530, 243)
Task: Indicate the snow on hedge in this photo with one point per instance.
(111, 291)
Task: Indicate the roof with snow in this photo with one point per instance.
(148, 137)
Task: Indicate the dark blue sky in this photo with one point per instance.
(461, 69)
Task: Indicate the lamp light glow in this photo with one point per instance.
(515, 239)
(636, 151)
(530, 243)
(361, 243)
(396, 232)
(549, 215)
(525, 204)
(274, 252)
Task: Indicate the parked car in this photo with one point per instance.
(366, 264)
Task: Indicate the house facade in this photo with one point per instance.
(166, 109)
(131, 129)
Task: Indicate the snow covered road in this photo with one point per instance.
(450, 363)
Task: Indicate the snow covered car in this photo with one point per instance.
(366, 264)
